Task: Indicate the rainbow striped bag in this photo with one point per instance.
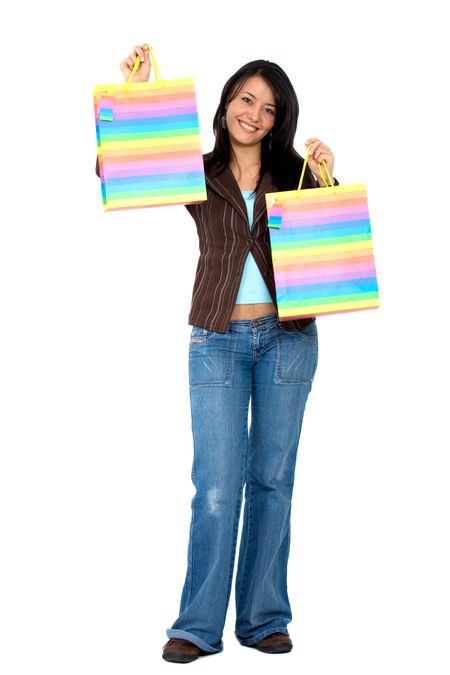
(148, 143)
(322, 250)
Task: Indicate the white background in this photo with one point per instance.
(96, 443)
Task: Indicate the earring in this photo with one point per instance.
(270, 141)
(224, 124)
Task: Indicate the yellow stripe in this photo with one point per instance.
(312, 195)
(186, 83)
(188, 141)
(332, 259)
(155, 201)
(312, 251)
(170, 88)
(139, 154)
(312, 310)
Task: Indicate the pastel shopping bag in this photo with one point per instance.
(322, 250)
(148, 143)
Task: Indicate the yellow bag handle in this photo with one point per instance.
(320, 171)
(154, 65)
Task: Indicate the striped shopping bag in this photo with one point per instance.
(322, 250)
(148, 143)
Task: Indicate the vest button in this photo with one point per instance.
(249, 242)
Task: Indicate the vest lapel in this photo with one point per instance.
(226, 186)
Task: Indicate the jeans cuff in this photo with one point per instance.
(185, 635)
(259, 636)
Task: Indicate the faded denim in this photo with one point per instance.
(255, 362)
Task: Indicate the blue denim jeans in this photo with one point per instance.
(260, 363)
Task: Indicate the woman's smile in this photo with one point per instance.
(247, 127)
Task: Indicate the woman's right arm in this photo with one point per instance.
(142, 74)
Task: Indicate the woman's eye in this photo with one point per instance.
(269, 111)
(246, 99)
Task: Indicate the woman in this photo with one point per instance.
(240, 353)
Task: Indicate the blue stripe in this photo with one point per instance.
(140, 133)
(152, 123)
(105, 114)
(274, 221)
(345, 287)
(328, 229)
(157, 182)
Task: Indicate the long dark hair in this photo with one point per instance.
(281, 160)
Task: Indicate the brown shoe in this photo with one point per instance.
(275, 643)
(181, 651)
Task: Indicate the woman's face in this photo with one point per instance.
(251, 114)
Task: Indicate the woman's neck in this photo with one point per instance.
(245, 163)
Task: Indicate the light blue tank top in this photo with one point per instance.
(253, 288)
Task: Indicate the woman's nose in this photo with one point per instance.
(253, 115)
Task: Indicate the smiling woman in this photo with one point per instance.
(240, 353)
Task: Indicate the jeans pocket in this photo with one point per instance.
(200, 335)
(210, 358)
(297, 355)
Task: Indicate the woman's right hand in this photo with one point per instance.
(142, 74)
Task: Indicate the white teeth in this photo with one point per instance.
(247, 126)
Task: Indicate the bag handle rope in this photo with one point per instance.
(320, 171)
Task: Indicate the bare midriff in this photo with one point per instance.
(253, 311)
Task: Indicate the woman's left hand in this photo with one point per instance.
(319, 152)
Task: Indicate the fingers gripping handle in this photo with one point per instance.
(324, 180)
(154, 65)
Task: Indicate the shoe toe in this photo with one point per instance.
(275, 643)
(180, 651)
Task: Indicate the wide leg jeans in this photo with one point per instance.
(257, 363)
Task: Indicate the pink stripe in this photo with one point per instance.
(339, 209)
(139, 112)
(330, 274)
(115, 170)
(148, 114)
(276, 211)
(314, 217)
(149, 104)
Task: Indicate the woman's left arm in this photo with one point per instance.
(319, 152)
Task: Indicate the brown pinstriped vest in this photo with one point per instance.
(225, 241)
